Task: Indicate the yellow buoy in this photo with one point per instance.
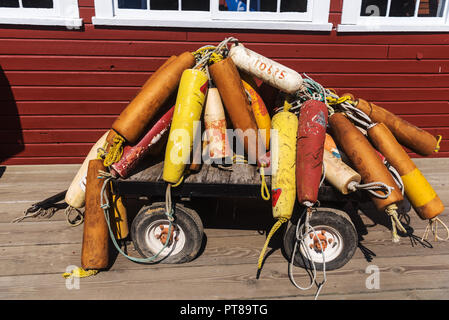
(188, 108)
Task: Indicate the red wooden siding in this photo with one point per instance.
(60, 90)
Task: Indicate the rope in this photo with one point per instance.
(433, 226)
(396, 177)
(79, 216)
(104, 202)
(273, 230)
(238, 158)
(437, 148)
(41, 213)
(211, 53)
(264, 191)
(391, 210)
(79, 273)
(300, 238)
(115, 152)
(179, 182)
(371, 187)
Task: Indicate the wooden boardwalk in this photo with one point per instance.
(35, 252)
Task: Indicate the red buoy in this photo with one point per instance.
(309, 152)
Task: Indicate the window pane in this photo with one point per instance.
(164, 5)
(402, 8)
(233, 5)
(132, 4)
(294, 6)
(37, 4)
(196, 5)
(431, 8)
(374, 8)
(263, 5)
(9, 3)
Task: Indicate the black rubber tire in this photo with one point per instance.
(187, 219)
(334, 218)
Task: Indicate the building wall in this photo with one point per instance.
(61, 89)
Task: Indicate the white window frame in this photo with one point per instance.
(64, 13)
(352, 21)
(316, 19)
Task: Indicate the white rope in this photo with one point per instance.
(433, 226)
(371, 187)
(300, 238)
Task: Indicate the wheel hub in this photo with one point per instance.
(163, 235)
(320, 241)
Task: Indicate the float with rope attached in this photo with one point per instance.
(225, 121)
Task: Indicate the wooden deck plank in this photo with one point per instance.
(236, 281)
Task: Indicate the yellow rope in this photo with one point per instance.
(264, 191)
(115, 152)
(200, 51)
(273, 230)
(237, 158)
(215, 57)
(335, 101)
(437, 148)
(80, 273)
(178, 183)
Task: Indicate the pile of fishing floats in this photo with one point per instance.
(351, 143)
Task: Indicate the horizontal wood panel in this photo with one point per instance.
(42, 160)
(80, 63)
(419, 51)
(91, 32)
(39, 93)
(62, 107)
(57, 122)
(158, 48)
(52, 136)
(115, 107)
(398, 94)
(110, 78)
(319, 37)
(48, 150)
(148, 64)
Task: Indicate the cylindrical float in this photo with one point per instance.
(422, 196)
(159, 70)
(132, 155)
(410, 136)
(338, 173)
(132, 122)
(364, 158)
(76, 193)
(227, 80)
(283, 185)
(95, 247)
(260, 112)
(267, 70)
(186, 117)
(283, 161)
(309, 161)
(216, 142)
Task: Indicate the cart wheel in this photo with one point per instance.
(336, 233)
(149, 232)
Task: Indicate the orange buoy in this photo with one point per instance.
(370, 167)
(95, 247)
(410, 136)
(132, 122)
(422, 196)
